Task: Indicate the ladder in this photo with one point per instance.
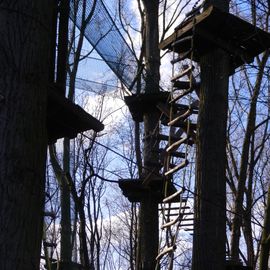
(179, 117)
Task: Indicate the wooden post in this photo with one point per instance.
(149, 207)
(25, 30)
(209, 252)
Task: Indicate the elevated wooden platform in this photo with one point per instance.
(135, 191)
(66, 119)
(214, 28)
(142, 103)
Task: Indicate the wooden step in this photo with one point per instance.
(171, 222)
(171, 197)
(177, 168)
(181, 95)
(165, 251)
(180, 117)
(185, 72)
(177, 144)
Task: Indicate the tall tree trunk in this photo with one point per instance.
(149, 207)
(24, 53)
(237, 219)
(66, 233)
(209, 252)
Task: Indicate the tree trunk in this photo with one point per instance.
(149, 207)
(66, 247)
(24, 53)
(237, 219)
(209, 252)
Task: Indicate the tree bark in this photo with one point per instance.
(149, 207)
(209, 252)
(237, 219)
(24, 53)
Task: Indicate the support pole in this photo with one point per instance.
(149, 206)
(209, 250)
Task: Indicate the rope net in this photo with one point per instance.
(105, 37)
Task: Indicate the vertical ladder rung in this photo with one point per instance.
(175, 145)
(181, 95)
(172, 222)
(182, 116)
(171, 197)
(183, 73)
(165, 251)
(177, 168)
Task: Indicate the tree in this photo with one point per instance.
(248, 153)
(24, 53)
(210, 209)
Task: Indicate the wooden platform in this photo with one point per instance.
(134, 190)
(214, 28)
(66, 119)
(142, 103)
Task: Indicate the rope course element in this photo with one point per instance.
(181, 137)
(257, 223)
(105, 37)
